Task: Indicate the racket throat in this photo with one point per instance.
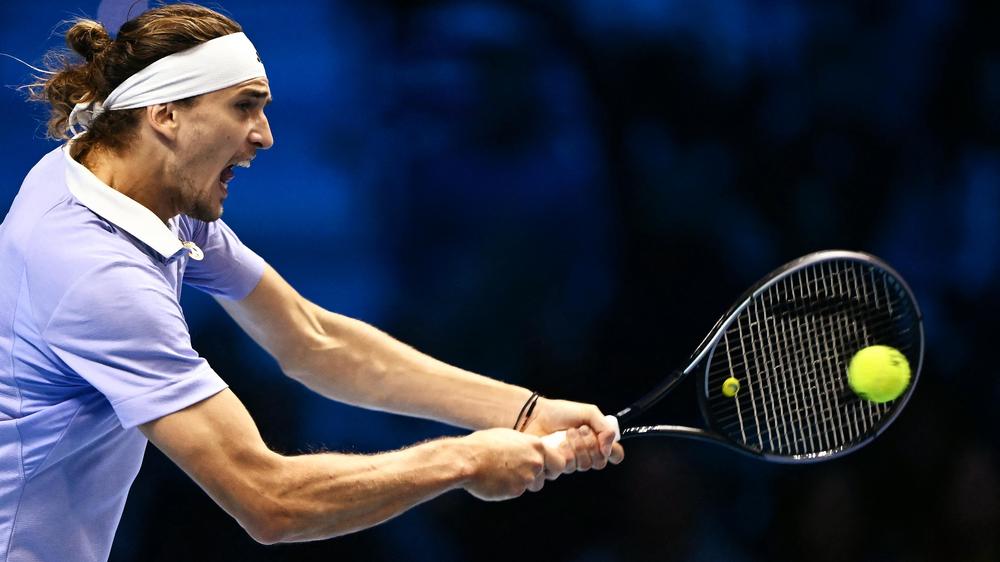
(687, 433)
(652, 397)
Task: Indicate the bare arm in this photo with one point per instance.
(277, 498)
(351, 361)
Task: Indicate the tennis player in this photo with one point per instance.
(97, 358)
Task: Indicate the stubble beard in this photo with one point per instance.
(205, 213)
(199, 205)
(204, 209)
(195, 201)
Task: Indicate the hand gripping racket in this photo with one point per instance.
(788, 341)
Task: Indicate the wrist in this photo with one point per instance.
(527, 412)
(465, 458)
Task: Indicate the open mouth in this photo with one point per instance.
(227, 173)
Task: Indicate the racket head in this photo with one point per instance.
(789, 339)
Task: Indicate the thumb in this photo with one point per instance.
(607, 431)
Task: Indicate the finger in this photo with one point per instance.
(598, 460)
(593, 450)
(555, 462)
(600, 423)
(617, 454)
(586, 451)
(579, 445)
(574, 442)
(606, 439)
(568, 449)
(538, 483)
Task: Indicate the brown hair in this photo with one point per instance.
(108, 62)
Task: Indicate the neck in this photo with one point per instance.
(132, 175)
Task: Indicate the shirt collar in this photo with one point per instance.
(123, 211)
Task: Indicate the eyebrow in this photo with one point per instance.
(257, 94)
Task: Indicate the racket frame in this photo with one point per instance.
(706, 348)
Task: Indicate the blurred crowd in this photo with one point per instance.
(566, 195)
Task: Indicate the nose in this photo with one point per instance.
(260, 135)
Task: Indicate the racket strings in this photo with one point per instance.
(828, 418)
(790, 347)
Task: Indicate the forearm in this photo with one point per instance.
(327, 495)
(277, 498)
(356, 363)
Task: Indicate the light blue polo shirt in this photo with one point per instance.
(93, 342)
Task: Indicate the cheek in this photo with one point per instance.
(210, 151)
(211, 142)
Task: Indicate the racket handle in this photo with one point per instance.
(557, 438)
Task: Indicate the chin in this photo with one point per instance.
(205, 214)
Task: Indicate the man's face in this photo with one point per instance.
(221, 130)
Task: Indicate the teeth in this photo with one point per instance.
(243, 164)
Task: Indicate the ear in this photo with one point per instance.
(163, 119)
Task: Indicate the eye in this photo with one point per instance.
(245, 105)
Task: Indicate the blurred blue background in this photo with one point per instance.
(565, 195)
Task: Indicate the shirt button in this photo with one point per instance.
(194, 251)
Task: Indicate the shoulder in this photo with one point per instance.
(49, 168)
(79, 260)
(71, 239)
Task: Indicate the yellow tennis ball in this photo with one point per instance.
(878, 373)
(730, 387)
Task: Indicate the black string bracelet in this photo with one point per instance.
(531, 408)
(526, 410)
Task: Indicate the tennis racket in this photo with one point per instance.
(788, 341)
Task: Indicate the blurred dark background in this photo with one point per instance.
(565, 195)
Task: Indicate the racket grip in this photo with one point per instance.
(557, 438)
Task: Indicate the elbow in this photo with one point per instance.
(293, 358)
(294, 363)
(268, 529)
(307, 357)
(264, 536)
(275, 518)
(294, 369)
(281, 528)
(264, 514)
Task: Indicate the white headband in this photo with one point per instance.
(210, 66)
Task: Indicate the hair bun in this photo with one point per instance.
(88, 38)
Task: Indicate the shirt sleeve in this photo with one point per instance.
(120, 327)
(229, 269)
